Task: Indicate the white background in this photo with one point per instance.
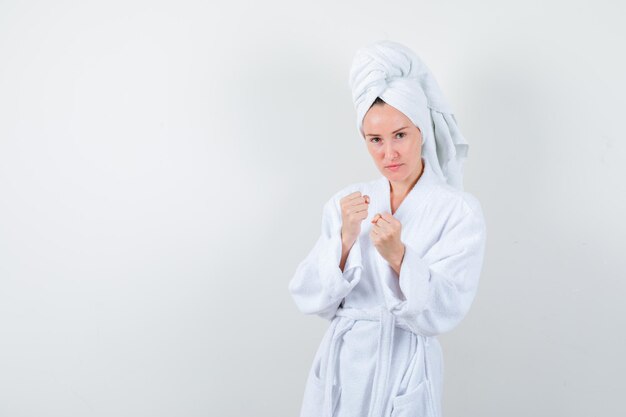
(163, 167)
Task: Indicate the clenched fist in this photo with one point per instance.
(353, 212)
(385, 235)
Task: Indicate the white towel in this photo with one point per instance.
(393, 72)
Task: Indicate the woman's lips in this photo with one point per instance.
(394, 167)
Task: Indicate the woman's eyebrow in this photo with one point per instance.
(397, 130)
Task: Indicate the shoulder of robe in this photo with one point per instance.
(472, 203)
(467, 202)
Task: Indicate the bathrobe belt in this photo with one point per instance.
(388, 322)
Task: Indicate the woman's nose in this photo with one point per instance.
(389, 150)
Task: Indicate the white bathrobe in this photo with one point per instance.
(380, 355)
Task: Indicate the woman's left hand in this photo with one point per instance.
(385, 235)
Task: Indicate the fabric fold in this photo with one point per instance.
(437, 289)
(414, 282)
(318, 285)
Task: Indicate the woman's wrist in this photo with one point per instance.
(346, 246)
(396, 262)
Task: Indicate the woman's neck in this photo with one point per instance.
(400, 190)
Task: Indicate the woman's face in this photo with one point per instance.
(393, 139)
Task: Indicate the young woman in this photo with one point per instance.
(399, 257)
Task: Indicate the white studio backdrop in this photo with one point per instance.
(163, 167)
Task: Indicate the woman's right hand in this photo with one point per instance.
(353, 211)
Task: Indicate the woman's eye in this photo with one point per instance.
(373, 139)
(401, 133)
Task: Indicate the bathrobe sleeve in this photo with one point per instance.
(439, 287)
(318, 285)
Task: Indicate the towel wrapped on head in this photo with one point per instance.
(393, 72)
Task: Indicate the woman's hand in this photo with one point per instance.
(353, 211)
(385, 235)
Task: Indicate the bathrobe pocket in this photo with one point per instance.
(414, 403)
(314, 400)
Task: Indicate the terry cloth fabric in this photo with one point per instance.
(393, 72)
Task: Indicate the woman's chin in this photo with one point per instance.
(395, 178)
(397, 175)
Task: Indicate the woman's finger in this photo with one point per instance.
(382, 218)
